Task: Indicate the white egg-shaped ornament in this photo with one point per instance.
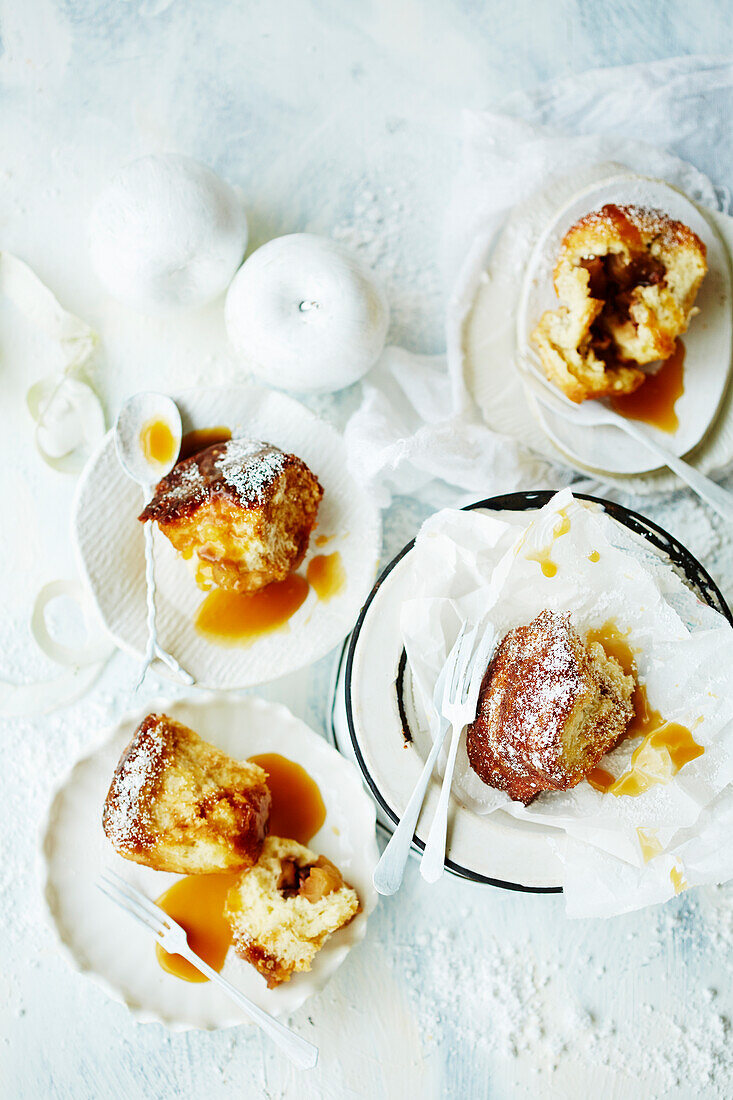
(305, 314)
(167, 234)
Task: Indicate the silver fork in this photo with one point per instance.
(173, 938)
(458, 706)
(593, 414)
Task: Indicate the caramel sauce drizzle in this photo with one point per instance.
(197, 901)
(157, 442)
(201, 439)
(231, 618)
(678, 880)
(654, 401)
(238, 618)
(665, 747)
(649, 843)
(298, 810)
(544, 557)
(326, 575)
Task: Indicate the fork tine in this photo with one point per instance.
(450, 666)
(464, 652)
(123, 903)
(137, 896)
(128, 899)
(480, 662)
(146, 903)
(133, 897)
(459, 695)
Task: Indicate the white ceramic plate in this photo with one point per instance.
(482, 334)
(707, 341)
(109, 544)
(117, 953)
(496, 848)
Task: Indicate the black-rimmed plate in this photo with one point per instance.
(372, 717)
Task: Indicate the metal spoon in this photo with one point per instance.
(137, 414)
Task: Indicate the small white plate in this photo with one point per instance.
(117, 953)
(109, 545)
(707, 341)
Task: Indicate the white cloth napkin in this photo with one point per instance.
(407, 437)
(417, 431)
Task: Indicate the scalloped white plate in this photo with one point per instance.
(707, 341)
(118, 954)
(109, 544)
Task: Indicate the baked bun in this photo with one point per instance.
(244, 508)
(178, 804)
(550, 707)
(627, 279)
(283, 910)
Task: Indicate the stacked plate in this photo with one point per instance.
(505, 287)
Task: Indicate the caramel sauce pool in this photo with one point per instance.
(326, 575)
(235, 618)
(197, 903)
(655, 399)
(199, 440)
(157, 442)
(665, 747)
(239, 617)
(298, 811)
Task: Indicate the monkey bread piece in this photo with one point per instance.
(550, 707)
(627, 279)
(283, 909)
(244, 508)
(178, 804)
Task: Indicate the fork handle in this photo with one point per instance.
(153, 650)
(719, 499)
(388, 873)
(432, 864)
(300, 1051)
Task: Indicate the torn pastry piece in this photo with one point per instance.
(627, 279)
(244, 508)
(178, 804)
(550, 707)
(283, 909)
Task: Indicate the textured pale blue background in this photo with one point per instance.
(330, 115)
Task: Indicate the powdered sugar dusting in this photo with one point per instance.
(522, 1007)
(190, 484)
(536, 679)
(250, 467)
(653, 225)
(126, 812)
(540, 674)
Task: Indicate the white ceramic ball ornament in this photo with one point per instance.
(305, 314)
(167, 234)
